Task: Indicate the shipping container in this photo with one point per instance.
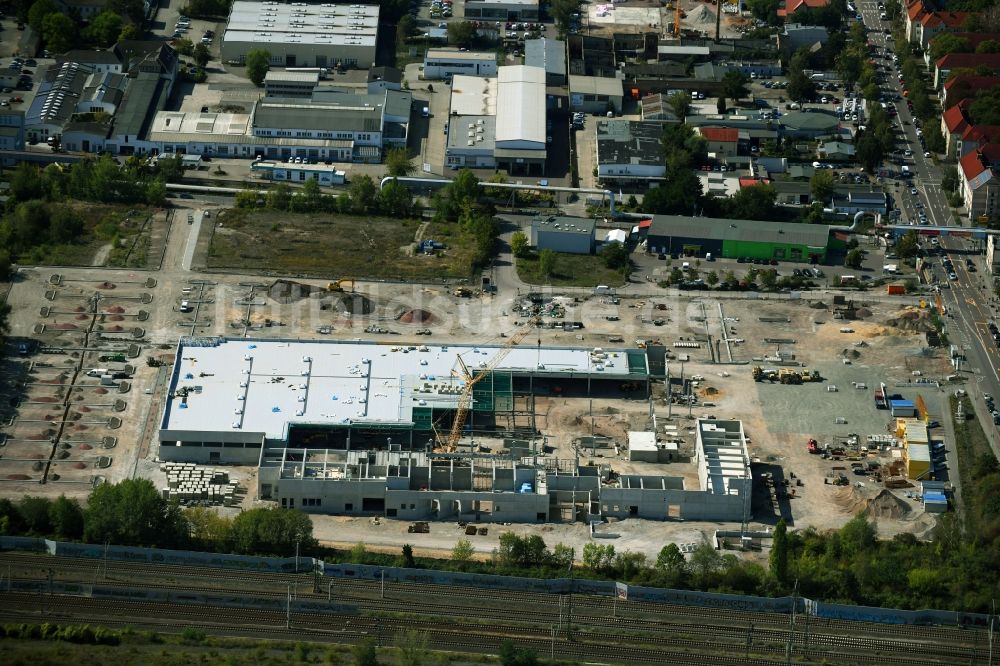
(896, 289)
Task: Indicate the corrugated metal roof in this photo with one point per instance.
(520, 105)
(710, 228)
(144, 97)
(549, 54)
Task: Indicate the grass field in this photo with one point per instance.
(327, 245)
(103, 224)
(571, 270)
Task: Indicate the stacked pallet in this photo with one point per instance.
(189, 483)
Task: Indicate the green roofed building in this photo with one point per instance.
(755, 239)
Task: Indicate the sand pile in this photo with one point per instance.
(65, 327)
(116, 318)
(287, 291)
(887, 505)
(79, 465)
(82, 317)
(917, 321)
(45, 398)
(85, 447)
(18, 477)
(701, 16)
(106, 285)
(849, 499)
(79, 308)
(863, 312)
(416, 317)
(100, 391)
(818, 305)
(114, 329)
(115, 309)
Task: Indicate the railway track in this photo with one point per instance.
(656, 631)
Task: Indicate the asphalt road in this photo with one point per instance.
(968, 298)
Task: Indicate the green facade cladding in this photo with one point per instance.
(766, 250)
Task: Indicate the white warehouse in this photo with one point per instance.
(302, 35)
(442, 63)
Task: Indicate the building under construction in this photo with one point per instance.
(365, 428)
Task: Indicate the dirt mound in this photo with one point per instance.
(354, 304)
(18, 477)
(114, 329)
(100, 391)
(701, 15)
(65, 327)
(887, 505)
(46, 398)
(849, 499)
(851, 353)
(83, 408)
(115, 309)
(82, 317)
(861, 313)
(85, 447)
(116, 318)
(818, 305)
(79, 308)
(287, 291)
(917, 321)
(79, 465)
(416, 317)
(106, 285)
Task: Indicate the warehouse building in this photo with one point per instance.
(498, 122)
(595, 94)
(302, 35)
(278, 83)
(574, 235)
(550, 55)
(298, 173)
(502, 10)
(755, 239)
(444, 63)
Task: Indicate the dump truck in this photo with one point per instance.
(786, 376)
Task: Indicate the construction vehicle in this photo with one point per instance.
(484, 371)
(812, 446)
(786, 376)
(340, 285)
(462, 292)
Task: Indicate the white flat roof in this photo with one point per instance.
(520, 105)
(473, 96)
(260, 386)
(301, 23)
(455, 54)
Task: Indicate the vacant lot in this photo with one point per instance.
(325, 245)
(571, 270)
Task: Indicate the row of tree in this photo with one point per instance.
(62, 31)
(133, 513)
(363, 197)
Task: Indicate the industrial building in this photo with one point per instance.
(298, 173)
(595, 94)
(502, 10)
(302, 35)
(550, 55)
(443, 63)
(755, 239)
(349, 428)
(574, 235)
(498, 122)
(630, 151)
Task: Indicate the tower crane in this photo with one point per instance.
(677, 18)
(465, 400)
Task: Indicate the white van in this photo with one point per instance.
(685, 266)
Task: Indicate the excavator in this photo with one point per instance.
(340, 285)
(450, 445)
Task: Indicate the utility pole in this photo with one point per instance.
(990, 634)
(288, 608)
(791, 624)
(296, 554)
(104, 576)
(749, 640)
(383, 584)
(552, 654)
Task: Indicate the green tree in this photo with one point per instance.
(854, 258)
(599, 558)
(908, 245)
(458, 198)
(133, 513)
(258, 61)
(765, 10)
(734, 85)
(712, 278)
(59, 32)
(104, 28)
(679, 194)
(562, 557)
(670, 558)
(408, 561)
(768, 279)
(201, 55)
(461, 33)
(279, 197)
(39, 10)
(209, 529)
(680, 104)
(132, 9)
(547, 262)
(66, 518)
(988, 46)
(363, 192)
(406, 28)
(462, 552)
(821, 185)
(858, 535)
(514, 656)
(395, 200)
(779, 552)
(562, 12)
(185, 46)
(398, 162)
(25, 183)
(949, 179)
(519, 244)
(365, 653)
(413, 648)
(35, 511)
(616, 256)
(272, 531)
(720, 106)
(945, 43)
(756, 202)
(521, 552)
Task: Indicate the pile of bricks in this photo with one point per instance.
(191, 484)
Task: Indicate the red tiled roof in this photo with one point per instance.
(981, 134)
(954, 118)
(750, 181)
(914, 9)
(950, 19)
(970, 60)
(727, 134)
(645, 224)
(972, 81)
(792, 6)
(972, 165)
(991, 153)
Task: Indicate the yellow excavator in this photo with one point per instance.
(450, 445)
(340, 285)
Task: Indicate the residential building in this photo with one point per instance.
(793, 7)
(722, 141)
(930, 24)
(550, 55)
(279, 83)
(954, 123)
(974, 39)
(630, 151)
(837, 151)
(445, 63)
(502, 10)
(965, 86)
(302, 35)
(976, 136)
(978, 184)
(574, 235)
(595, 94)
(756, 239)
(993, 254)
(85, 9)
(944, 65)
(98, 61)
